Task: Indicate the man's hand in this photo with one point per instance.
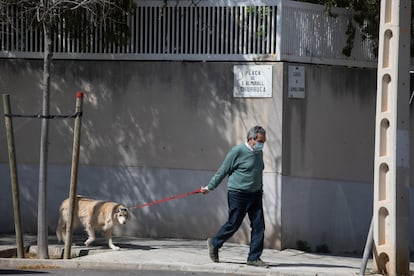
(204, 190)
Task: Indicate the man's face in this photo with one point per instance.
(261, 138)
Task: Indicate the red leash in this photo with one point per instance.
(166, 199)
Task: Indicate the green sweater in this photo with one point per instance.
(244, 168)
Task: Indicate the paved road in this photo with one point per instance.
(96, 272)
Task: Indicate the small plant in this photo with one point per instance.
(323, 248)
(303, 246)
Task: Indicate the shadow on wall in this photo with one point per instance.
(150, 130)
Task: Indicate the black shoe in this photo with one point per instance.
(258, 263)
(212, 251)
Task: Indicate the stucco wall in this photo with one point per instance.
(330, 134)
(141, 113)
(150, 130)
(328, 151)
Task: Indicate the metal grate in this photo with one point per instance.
(205, 30)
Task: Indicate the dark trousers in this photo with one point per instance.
(240, 204)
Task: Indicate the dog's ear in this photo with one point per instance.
(121, 209)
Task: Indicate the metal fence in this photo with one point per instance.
(218, 30)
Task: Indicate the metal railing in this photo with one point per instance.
(224, 30)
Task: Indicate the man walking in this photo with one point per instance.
(244, 167)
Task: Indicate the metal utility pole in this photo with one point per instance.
(391, 165)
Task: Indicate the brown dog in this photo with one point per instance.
(93, 215)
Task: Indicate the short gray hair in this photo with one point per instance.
(252, 133)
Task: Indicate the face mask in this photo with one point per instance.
(258, 146)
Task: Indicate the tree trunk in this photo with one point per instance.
(42, 229)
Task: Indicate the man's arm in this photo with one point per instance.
(225, 169)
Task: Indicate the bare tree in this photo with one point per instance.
(74, 18)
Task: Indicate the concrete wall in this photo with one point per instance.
(328, 151)
(150, 130)
(156, 129)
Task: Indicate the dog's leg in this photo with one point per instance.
(108, 236)
(61, 229)
(91, 234)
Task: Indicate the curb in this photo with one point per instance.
(78, 264)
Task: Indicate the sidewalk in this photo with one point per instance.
(179, 255)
